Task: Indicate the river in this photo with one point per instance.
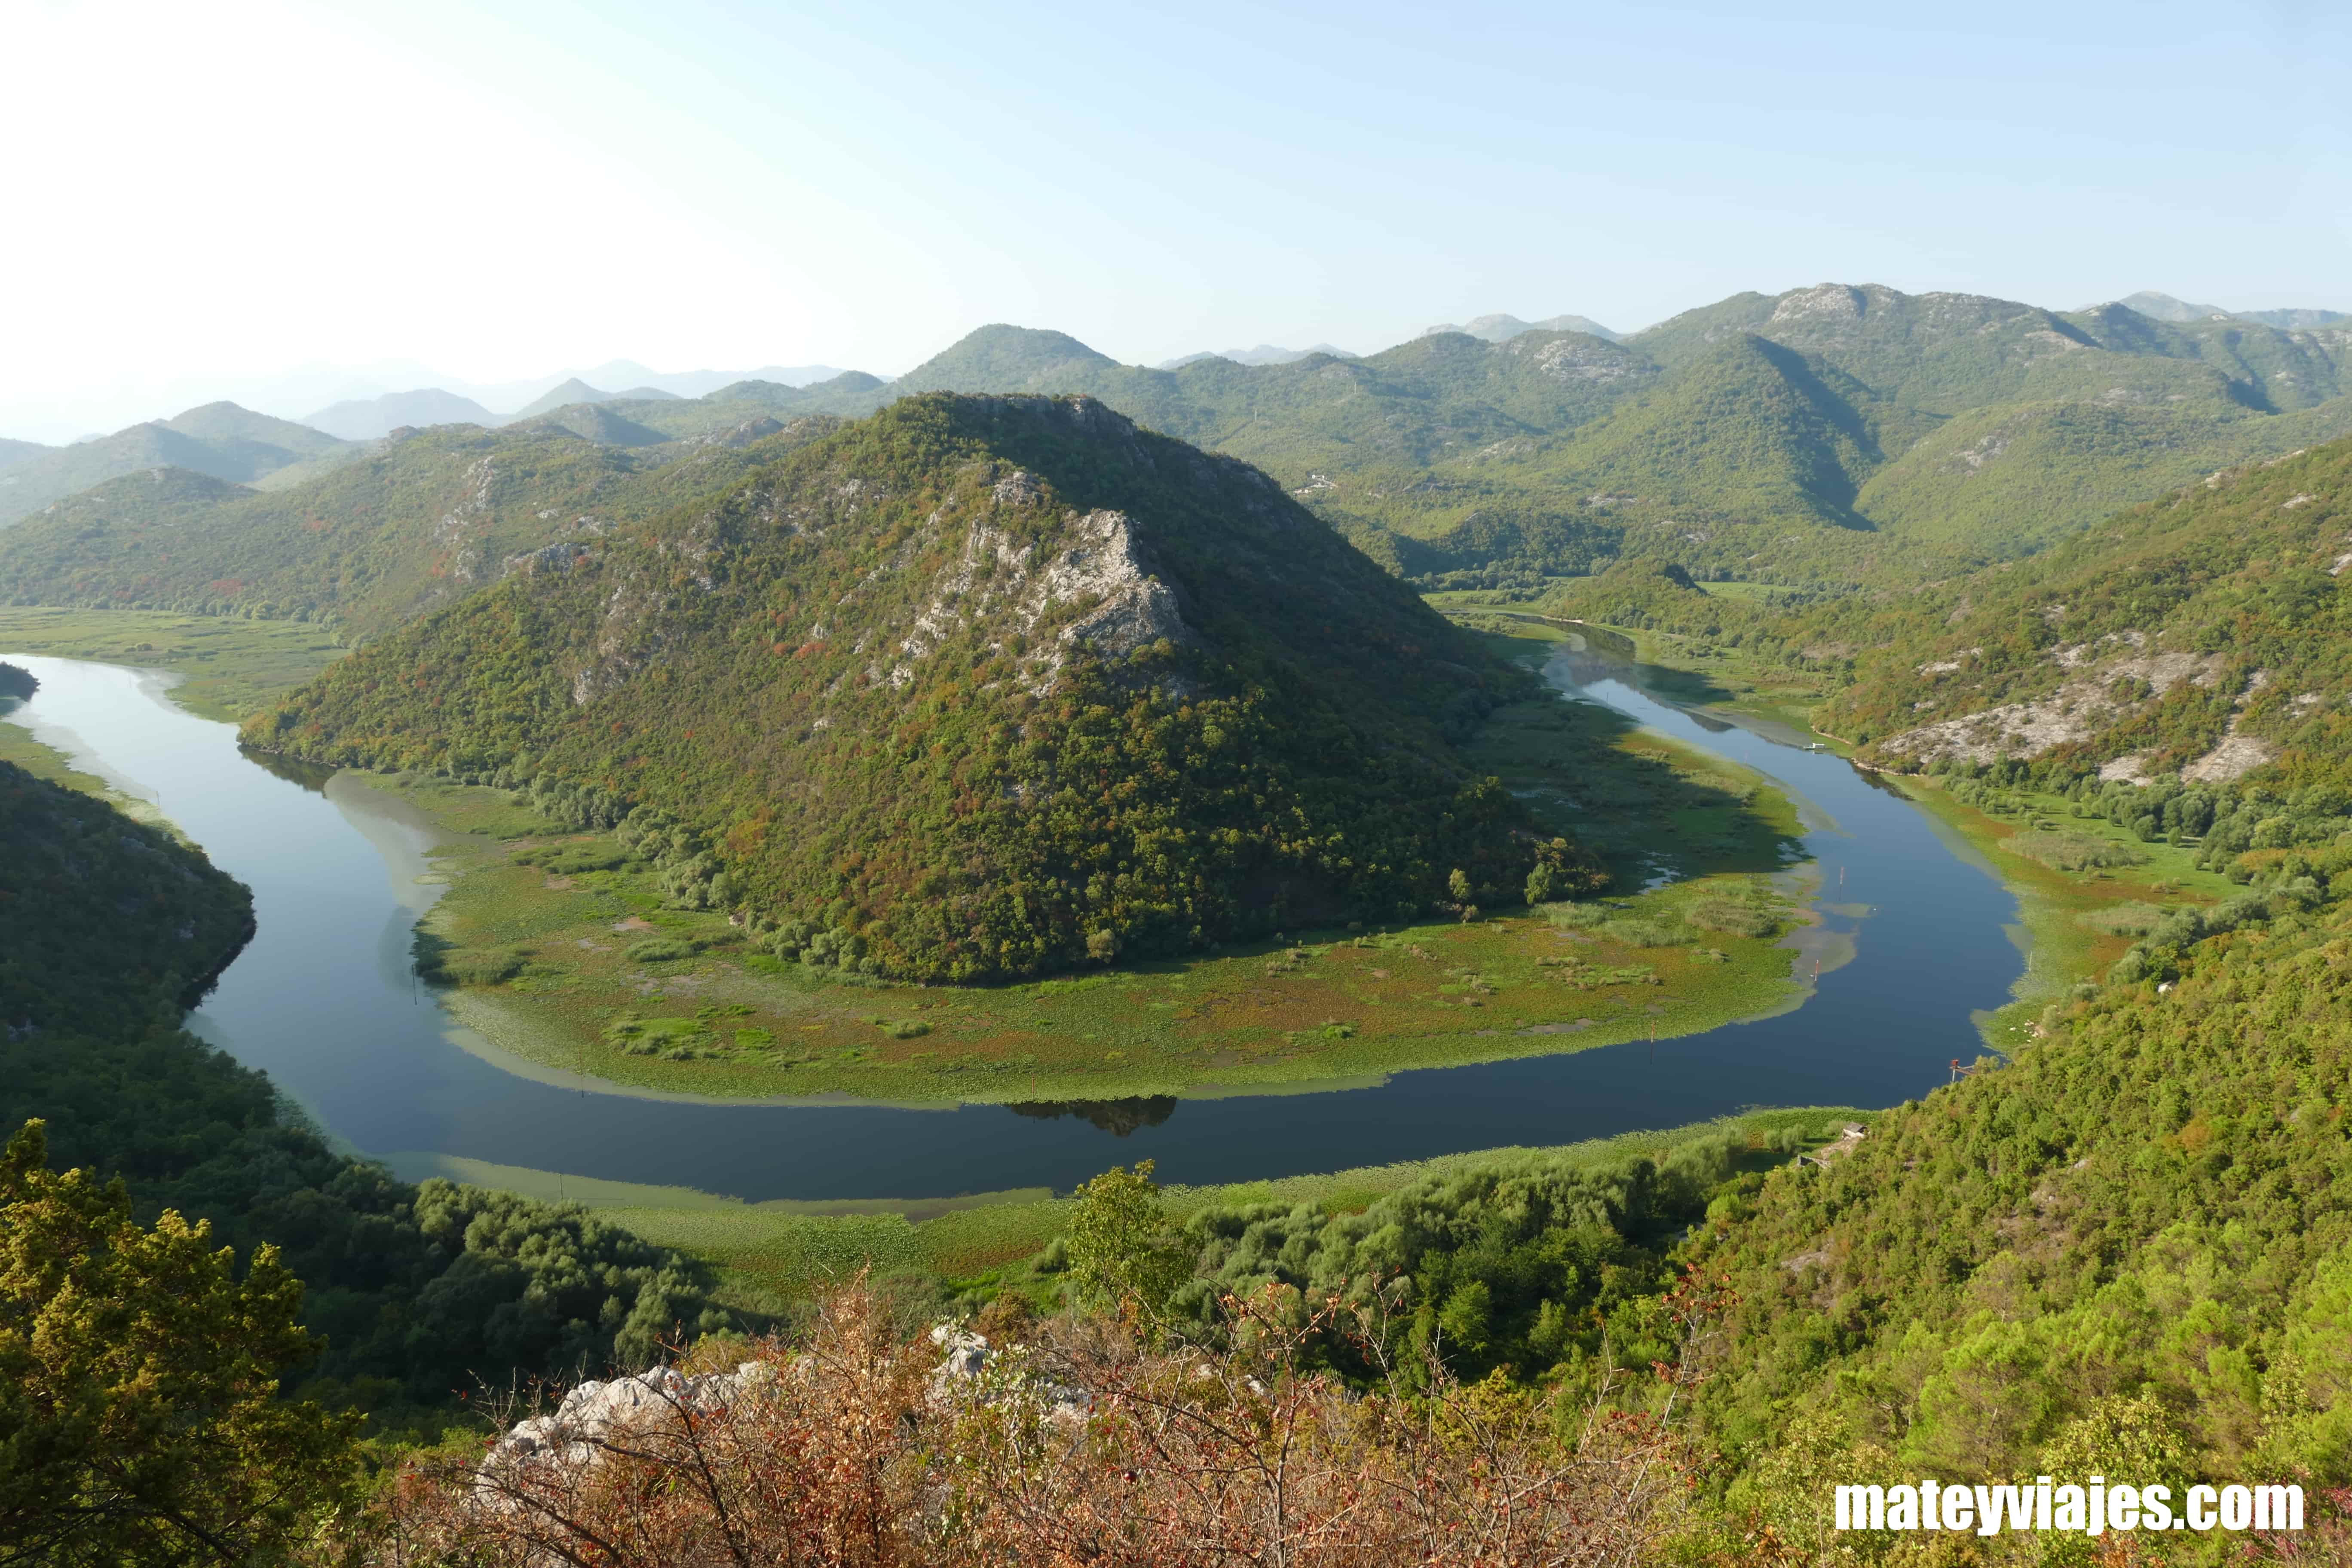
(324, 999)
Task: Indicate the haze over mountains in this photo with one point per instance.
(219, 441)
(365, 419)
(2165, 307)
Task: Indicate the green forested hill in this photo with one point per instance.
(2132, 1245)
(219, 439)
(2205, 632)
(1948, 352)
(980, 686)
(106, 921)
(422, 519)
(1750, 430)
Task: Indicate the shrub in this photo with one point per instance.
(2134, 918)
(2074, 851)
(1731, 916)
(481, 966)
(1070, 1440)
(1634, 930)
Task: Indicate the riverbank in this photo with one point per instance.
(2074, 924)
(577, 964)
(20, 746)
(771, 1254)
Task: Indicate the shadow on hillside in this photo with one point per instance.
(1587, 771)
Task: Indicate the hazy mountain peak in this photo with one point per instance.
(2165, 307)
(2297, 320)
(366, 419)
(15, 452)
(223, 440)
(268, 441)
(573, 391)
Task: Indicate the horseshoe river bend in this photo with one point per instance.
(326, 999)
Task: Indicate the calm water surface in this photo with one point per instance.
(324, 1000)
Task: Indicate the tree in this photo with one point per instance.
(140, 1420)
(1122, 1247)
(1457, 883)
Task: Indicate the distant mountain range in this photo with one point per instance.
(1501, 329)
(698, 383)
(366, 419)
(1817, 435)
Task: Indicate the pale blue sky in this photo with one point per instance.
(219, 193)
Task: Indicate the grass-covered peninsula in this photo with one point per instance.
(564, 948)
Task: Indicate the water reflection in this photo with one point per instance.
(1117, 1117)
(307, 775)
